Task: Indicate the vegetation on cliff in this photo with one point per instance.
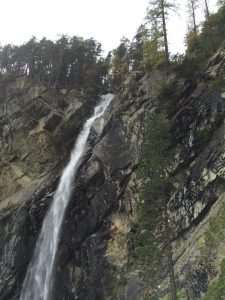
(74, 62)
(69, 62)
(149, 48)
(151, 235)
(216, 290)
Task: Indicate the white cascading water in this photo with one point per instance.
(38, 281)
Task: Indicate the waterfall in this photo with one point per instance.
(38, 281)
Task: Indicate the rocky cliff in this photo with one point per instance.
(38, 129)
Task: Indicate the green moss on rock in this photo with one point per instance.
(216, 289)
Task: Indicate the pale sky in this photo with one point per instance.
(107, 21)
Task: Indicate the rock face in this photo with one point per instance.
(93, 251)
(199, 134)
(93, 255)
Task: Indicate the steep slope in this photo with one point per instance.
(105, 190)
(196, 206)
(94, 253)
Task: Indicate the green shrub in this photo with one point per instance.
(216, 290)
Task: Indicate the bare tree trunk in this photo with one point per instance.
(207, 9)
(193, 16)
(165, 34)
(210, 26)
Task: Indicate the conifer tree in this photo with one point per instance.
(120, 62)
(192, 6)
(153, 245)
(137, 48)
(208, 21)
(158, 11)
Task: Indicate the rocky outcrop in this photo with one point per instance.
(36, 128)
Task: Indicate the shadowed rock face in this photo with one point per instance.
(199, 135)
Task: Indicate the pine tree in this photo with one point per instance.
(153, 232)
(158, 11)
(137, 48)
(120, 62)
(208, 22)
(192, 6)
